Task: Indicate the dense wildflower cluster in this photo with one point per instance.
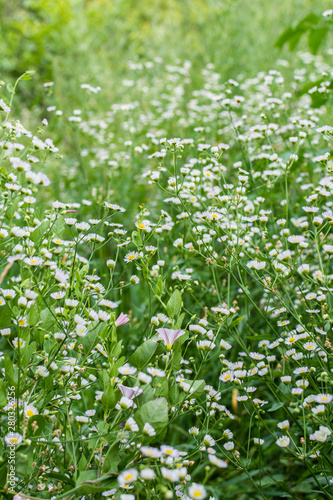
(167, 352)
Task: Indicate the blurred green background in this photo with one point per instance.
(76, 41)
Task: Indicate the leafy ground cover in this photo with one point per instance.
(166, 281)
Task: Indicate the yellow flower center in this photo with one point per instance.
(13, 440)
(22, 322)
(30, 413)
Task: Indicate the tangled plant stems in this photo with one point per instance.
(184, 351)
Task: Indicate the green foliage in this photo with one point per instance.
(174, 304)
(154, 413)
(167, 322)
(143, 354)
(315, 27)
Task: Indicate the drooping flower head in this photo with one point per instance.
(122, 319)
(130, 392)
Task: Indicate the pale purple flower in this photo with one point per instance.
(169, 336)
(121, 320)
(130, 392)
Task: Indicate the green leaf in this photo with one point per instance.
(309, 20)
(86, 475)
(47, 319)
(13, 207)
(3, 475)
(27, 75)
(117, 364)
(162, 387)
(23, 461)
(61, 477)
(83, 462)
(175, 395)
(88, 342)
(293, 34)
(179, 323)
(284, 37)
(276, 406)
(59, 228)
(111, 461)
(294, 40)
(114, 334)
(6, 317)
(9, 371)
(32, 316)
(316, 38)
(306, 485)
(263, 336)
(143, 354)
(104, 332)
(3, 394)
(103, 378)
(37, 233)
(197, 387)
(116, 349)
(36, 424)
(137, 240)
(109, 399)
(318, 100)
(176, 354)
(146, 395)
(236, 321)
(89, 483)
(159, 287)
(154, 413)
(309, 85)
(28, 352)
(174, 304)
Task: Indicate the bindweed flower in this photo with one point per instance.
(121, 320)
(169, 336)
(130, 392)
